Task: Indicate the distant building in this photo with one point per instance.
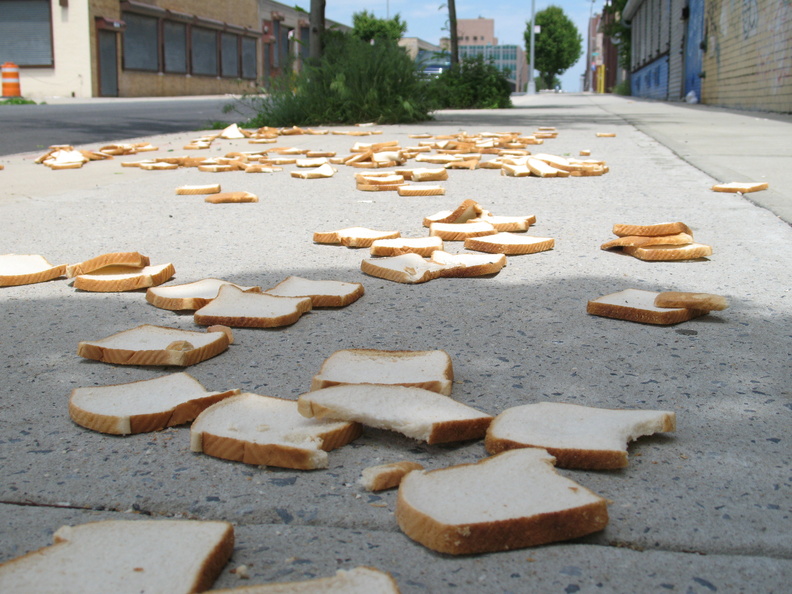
(718, 51)
(602, 58)
(477, 37)
(136, 48)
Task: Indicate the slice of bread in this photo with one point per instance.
(578, 436)
(125, 557)
(27, 269)
(267, 431)
(460, 231)
(467, 265)
(423, 246)
(622, 229)
(131, 259)
(190, 296)
(353, 236)
(200, 189)
(236, 308)
(408, 268)
(386, 476)
(510, 244)
(140, 407)
(322, 293)
(635, 305)
(360, 580)
(670, 253)
(415, 412)
(469, 209)
(411, 268)
(647, 240)
(420, 190)
(156, 345)
(506, 223)
(430, 370)
(111, 279)
(701, 301)
(741, 187)
(231, 198)
(509, 501)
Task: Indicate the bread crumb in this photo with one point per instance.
(241, 572)
(138, 569)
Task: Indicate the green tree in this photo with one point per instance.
(558, 45)
(366, 26)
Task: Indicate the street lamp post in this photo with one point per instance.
(531, 80)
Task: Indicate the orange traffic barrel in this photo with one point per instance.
(11, 86)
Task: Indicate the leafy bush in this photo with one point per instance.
(354, 82)
(623, 88)
(472, 84)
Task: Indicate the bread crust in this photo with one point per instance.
(185, 303)
(133, 259)
(643, 316)
(148, 276)
(623, 229)
(647, 240)
(387, 476)
(565, 457)
(29, 278)
(489, 244)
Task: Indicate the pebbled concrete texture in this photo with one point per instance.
(703, 509)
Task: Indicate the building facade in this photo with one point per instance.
(720, 52)
(477, 37)
(137, 48)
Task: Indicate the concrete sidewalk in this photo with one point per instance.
(704, 509)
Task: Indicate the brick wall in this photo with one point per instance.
(748, 58)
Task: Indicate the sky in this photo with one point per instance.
(427, 20)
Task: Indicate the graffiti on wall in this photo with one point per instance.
(750, 18)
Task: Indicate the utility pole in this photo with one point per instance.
(316, 30)
(531, 79)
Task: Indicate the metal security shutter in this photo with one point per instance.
(26, 32)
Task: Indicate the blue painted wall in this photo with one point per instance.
(651, 81)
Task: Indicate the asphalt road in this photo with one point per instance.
(30, 128)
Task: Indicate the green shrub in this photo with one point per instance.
(472, 84)
(354, 82)
(623, 88)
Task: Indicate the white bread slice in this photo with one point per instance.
(430, 370)
(156, 345)
(467, 265)
(198, 189)
(670, 253)
(353, 236)
(506, 223)
(578, 436)
(420, 190)
(469, 209)
(741, 187)
(411, 268)
(132, 259)
(125, 557)
(321, 172)
(268, 431)
(27, 269)
(236, 308)
(140, 407)
(510, 244)
(622, 229)
(635, 305)
(190, 296)
(702, 301)
(647, 240)
(460, 232)
(322, 293)
(111, 279)
(360, 580)
(408, 268)
(423, 246)
(386, 476)
(231, 198)
(415, 412)
(509, 501)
